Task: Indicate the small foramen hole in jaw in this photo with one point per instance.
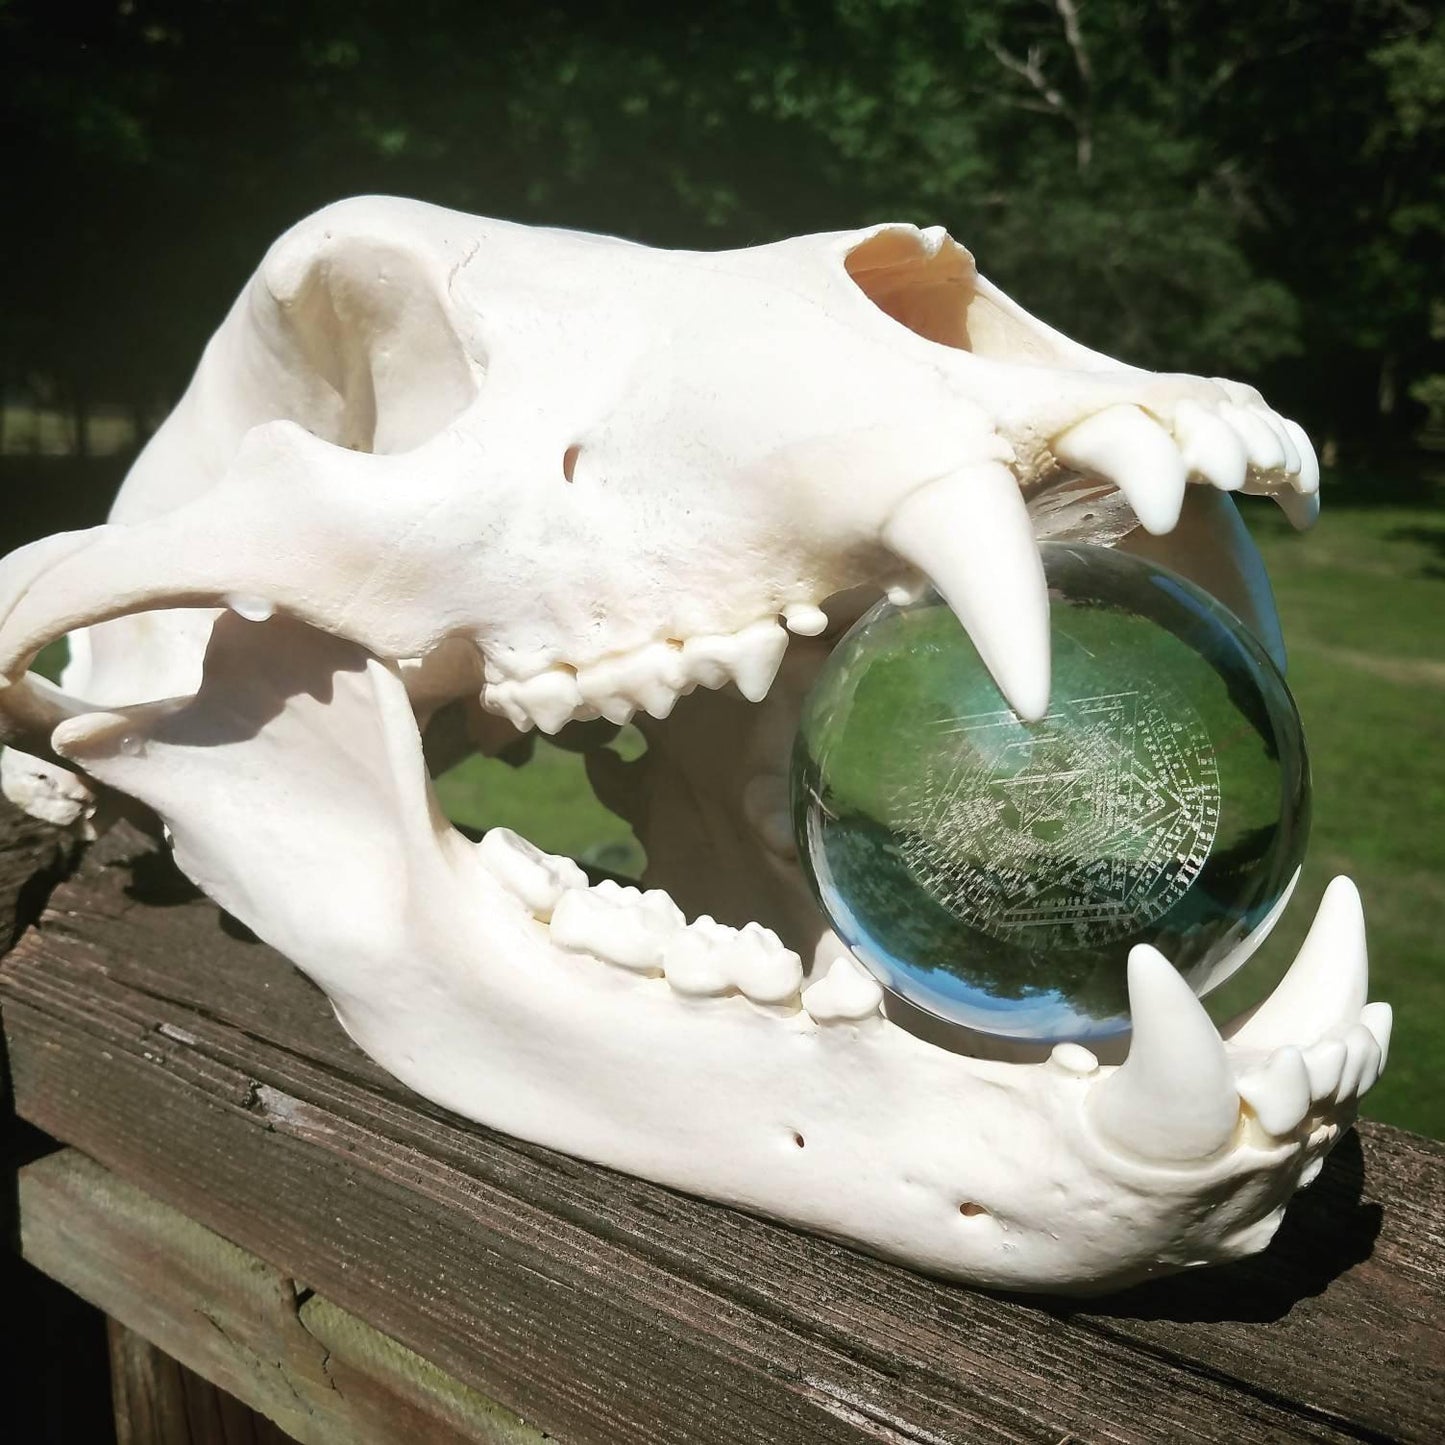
(569, 461)
(970, 1210)
(799, 1141)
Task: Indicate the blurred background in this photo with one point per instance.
(1204, 185)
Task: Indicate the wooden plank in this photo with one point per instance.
(160, 1402)
(199, 1324)
(201, 1066)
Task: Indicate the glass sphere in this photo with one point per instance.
(996, 872)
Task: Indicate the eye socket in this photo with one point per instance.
(569, 461)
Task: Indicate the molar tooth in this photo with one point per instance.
(539, 879)
(619, 925)
(1173, 1097)
(1128, 447)
(846, 994)
(1279, 1091)
(501, 697)
(1325, 988)
(551, 699)
(804, 619)
(1324, 1063)
(707, 959)
(972, 534)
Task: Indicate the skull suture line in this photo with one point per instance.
(429, 457)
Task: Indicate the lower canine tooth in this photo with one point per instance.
(621, 927)
(539, 879)
(846, 994)
(707, 959)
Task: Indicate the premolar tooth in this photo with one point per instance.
(1324, 1063)
(607, 686)
(708, 959)
(804, 619)
(846, 994)
(1173, 1097)
(972, 534)
(749, 657)
(1279, 1091)
(539, 879)
(1379, 1018)
(618, 925)
(761, 649)
(1128, 447)
(1325, 988)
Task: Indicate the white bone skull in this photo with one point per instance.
(430, 458)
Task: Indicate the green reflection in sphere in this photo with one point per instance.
(995, 872)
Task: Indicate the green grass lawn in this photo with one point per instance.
(1363, 602)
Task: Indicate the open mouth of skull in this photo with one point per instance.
(450, 480)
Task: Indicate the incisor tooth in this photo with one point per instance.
(539, 879)
(1309, 464)
(1261, 443)
(1128, 447)
(804, 619)
(1324, 1062)
(1379, 1018)
(1362, 1064)
(1211, 447)
(1278, 1091)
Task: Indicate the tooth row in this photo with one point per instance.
(649, 679)
(1150, 461)
(1294, 1083)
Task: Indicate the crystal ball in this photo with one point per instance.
(995, 872)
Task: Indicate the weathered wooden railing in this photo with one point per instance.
(255, 1205)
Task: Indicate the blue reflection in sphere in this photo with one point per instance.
(996, 872)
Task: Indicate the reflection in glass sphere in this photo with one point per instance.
(996, 872)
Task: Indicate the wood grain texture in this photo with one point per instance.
(158, 1401)
(192, 1313)
(150, 1032)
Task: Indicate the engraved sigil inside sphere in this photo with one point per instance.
(995, 872)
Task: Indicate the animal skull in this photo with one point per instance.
(429, 457)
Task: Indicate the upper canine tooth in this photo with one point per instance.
(847, 993)
(972, 534)
(1126, 446)
(1173, 1097)
(539, 879)
(707, 959)
(1279, 1091)
(618, 925)
(1325, 988)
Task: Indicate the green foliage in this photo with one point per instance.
(1213, 186)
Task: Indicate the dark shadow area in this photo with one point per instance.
(157, 882)
(56, 1355)
(1328, 1229)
